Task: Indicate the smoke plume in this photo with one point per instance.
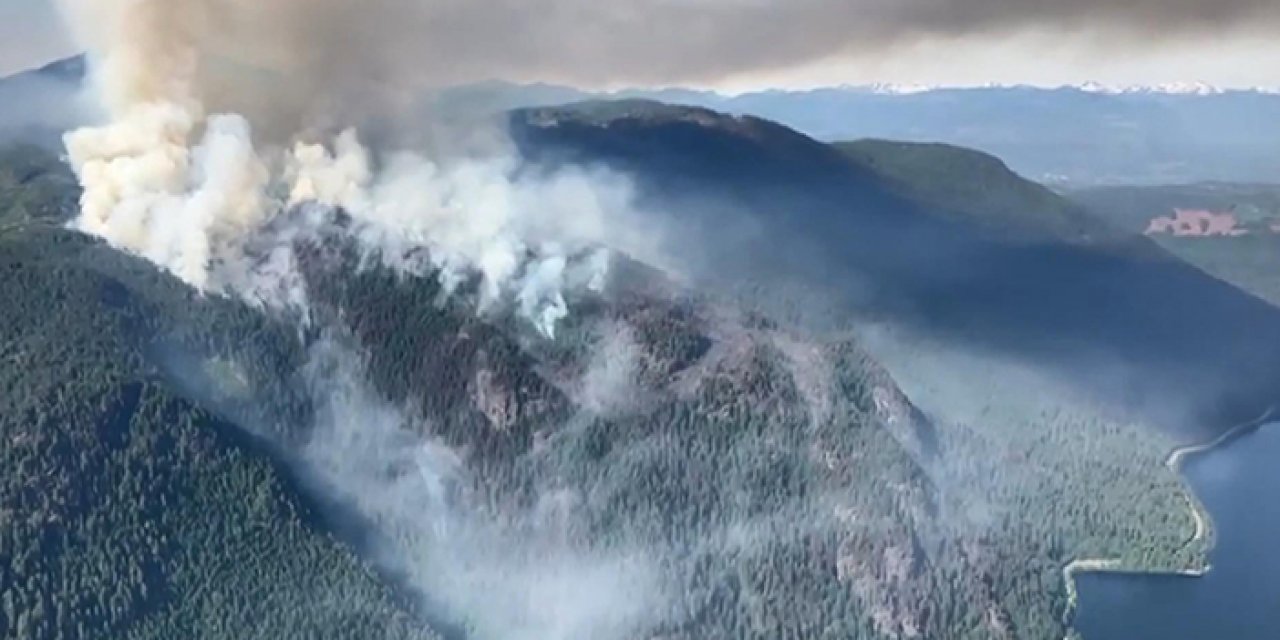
(175, 174)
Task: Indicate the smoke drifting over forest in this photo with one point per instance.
(177, 175)
(512, 575)
(238, 135)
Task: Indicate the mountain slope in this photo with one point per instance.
(164, 430)
(40, 104)
(1062, 135)
(978, 187)
(1069, 135)
(779, 202)
(128, 510)
(669, 465)
(780, 476)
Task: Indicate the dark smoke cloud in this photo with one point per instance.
(275, 59)
(594, 41)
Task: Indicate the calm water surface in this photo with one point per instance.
(1240, 599)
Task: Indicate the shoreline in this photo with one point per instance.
(1203, 519)
(1178, 457)
(1087, 565)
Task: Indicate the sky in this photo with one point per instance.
(31, 34)
(940, 42)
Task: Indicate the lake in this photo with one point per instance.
(1240, 598)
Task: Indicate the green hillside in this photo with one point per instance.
(126, 511)
(1255, 206)
(782, 479)
(976, 187)
(1250, 262)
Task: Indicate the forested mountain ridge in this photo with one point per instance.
(861, 512)
(755, 198)
(979, 187)
(128, 510)
(848, 419)
(144, 350)
(1066, 136)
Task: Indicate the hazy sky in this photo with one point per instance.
(30, 34)
(1230, 43)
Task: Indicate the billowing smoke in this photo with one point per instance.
(187, 188)
(479, 215)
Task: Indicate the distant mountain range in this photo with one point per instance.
(1071, 136)
(1171, 88)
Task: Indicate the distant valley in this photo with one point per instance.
(1231, 231)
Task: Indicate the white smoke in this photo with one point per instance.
(522, 233)
(609, 386)
(514, 576)
(193, 194)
